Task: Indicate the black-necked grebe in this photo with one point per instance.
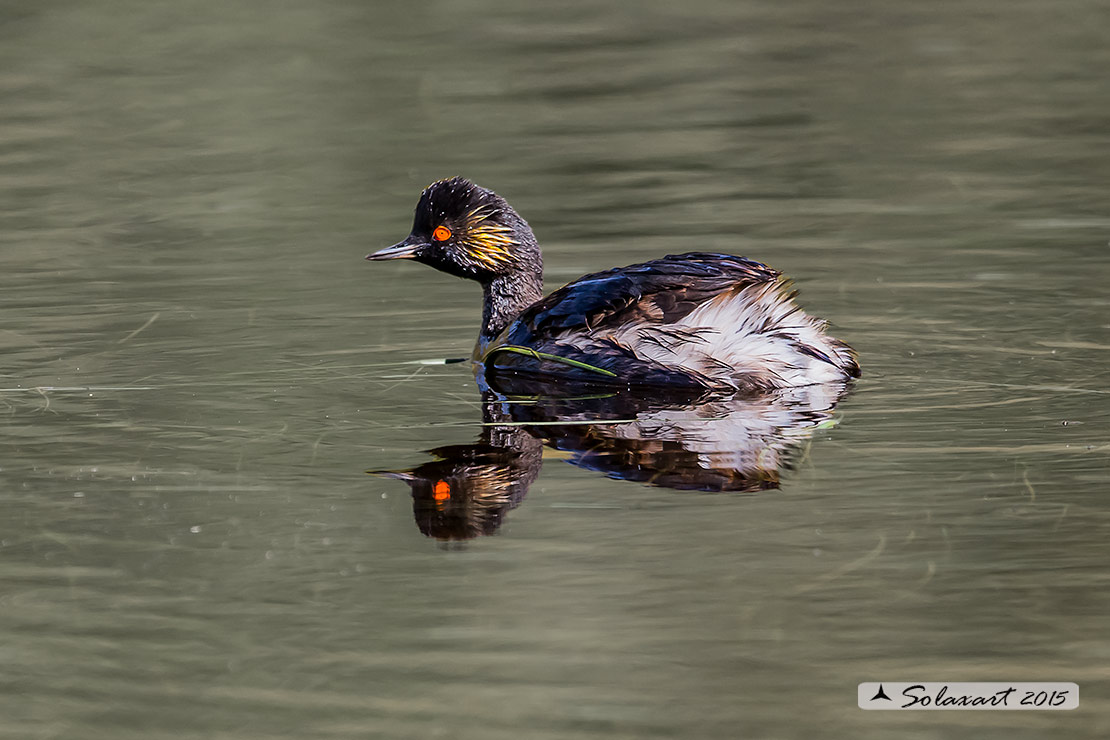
(694, 321)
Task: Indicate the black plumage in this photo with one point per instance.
(696, 320)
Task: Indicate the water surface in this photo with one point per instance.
(198, 368)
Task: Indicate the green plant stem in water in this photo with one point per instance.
(529, 352)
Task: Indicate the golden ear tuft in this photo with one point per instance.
(488, 243)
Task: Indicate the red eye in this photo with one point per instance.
(441, 234)
(441, 491)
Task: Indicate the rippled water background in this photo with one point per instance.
(198, 367)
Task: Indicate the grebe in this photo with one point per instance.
(694, 321)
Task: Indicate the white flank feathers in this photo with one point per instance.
(757, 334)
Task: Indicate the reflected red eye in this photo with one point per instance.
(441, 234)
(441, 491)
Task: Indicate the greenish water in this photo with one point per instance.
(198, 367)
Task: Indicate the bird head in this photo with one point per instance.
(468, 231)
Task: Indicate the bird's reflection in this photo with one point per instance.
(466, 491)
(702, 443)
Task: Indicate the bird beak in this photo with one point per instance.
(405, 250)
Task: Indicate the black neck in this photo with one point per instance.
(506, 296)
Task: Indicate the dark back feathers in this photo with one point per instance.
(660, 291)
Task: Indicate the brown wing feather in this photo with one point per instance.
(580, 320)
(662, 291)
